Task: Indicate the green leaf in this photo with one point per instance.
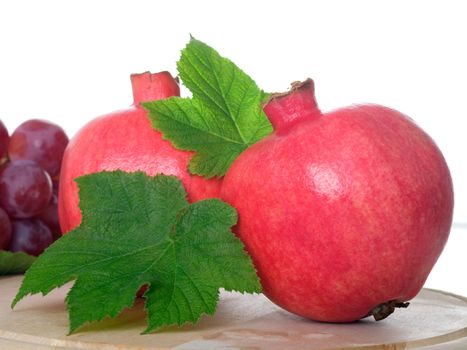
(14, 263)
(223, 118)
(139, 230)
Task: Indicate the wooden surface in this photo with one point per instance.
(434, 321)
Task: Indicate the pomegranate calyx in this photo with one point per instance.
(286, 109)
(149, 86)
(294, 86)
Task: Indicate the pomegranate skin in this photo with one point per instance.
(343, 211)
(125, 140)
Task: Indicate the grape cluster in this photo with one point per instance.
(30, 161)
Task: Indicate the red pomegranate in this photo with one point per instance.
(344, 213)
(125, 140)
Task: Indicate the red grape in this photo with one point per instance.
(40, 141)
(31, 236)
(5, 229)
(49, 216)
(25, 188)
(4, 138)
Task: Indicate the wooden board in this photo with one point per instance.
(435, 320)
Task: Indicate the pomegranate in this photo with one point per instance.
(125, 140)
(344, 213)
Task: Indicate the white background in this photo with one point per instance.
(69, 61)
